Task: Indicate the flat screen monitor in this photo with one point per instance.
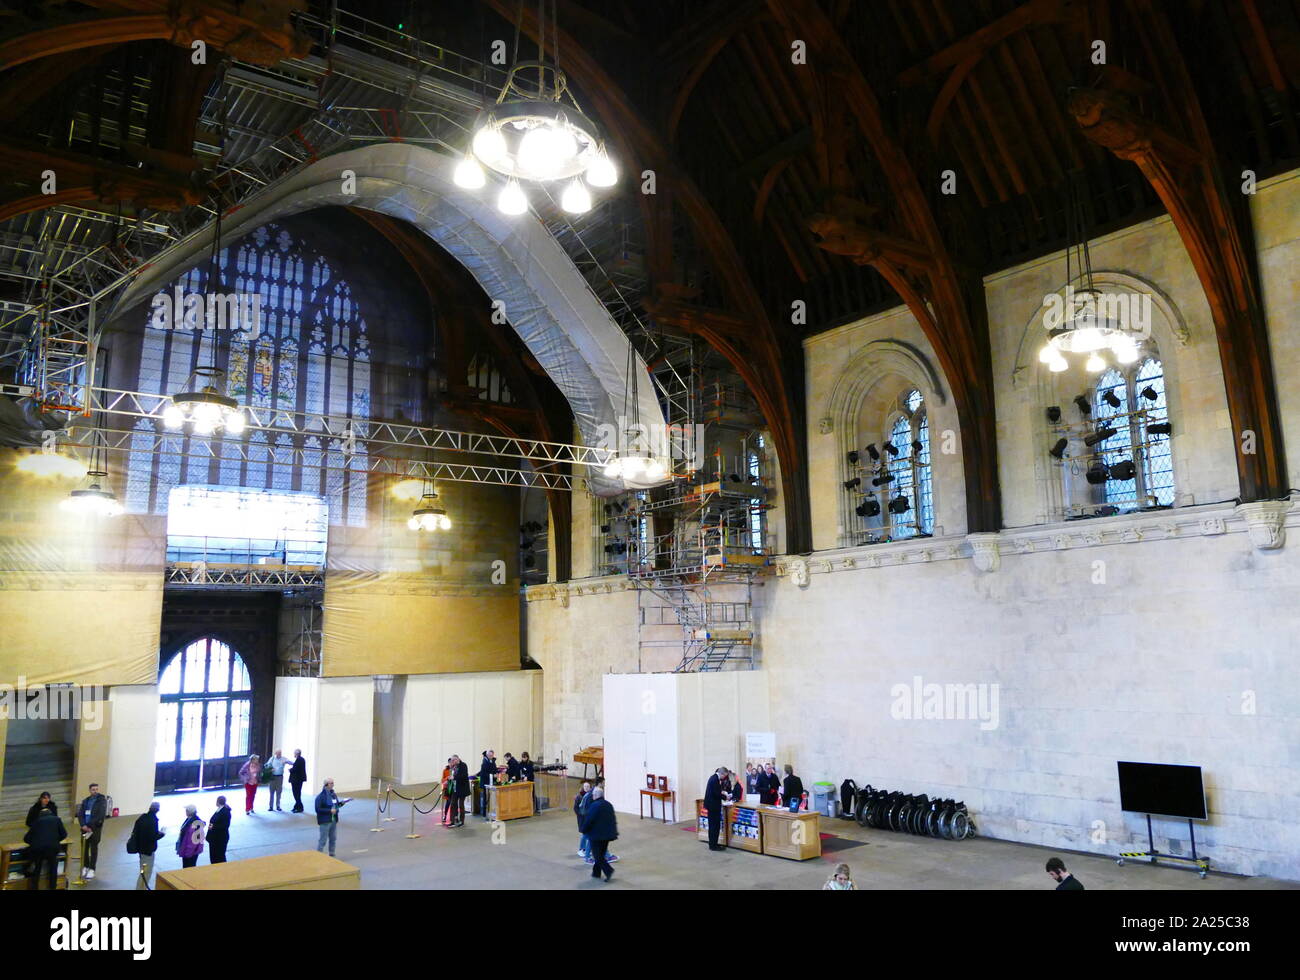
(1162, 790)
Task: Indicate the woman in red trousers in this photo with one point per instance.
(250, 772)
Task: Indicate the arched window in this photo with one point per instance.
(890, 483)
(1131, 400)
(204, 701)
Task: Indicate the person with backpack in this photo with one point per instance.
(251, 773)
(91, 815)
(143, 841)
(219, 833)
(189, 840)
(43, 841)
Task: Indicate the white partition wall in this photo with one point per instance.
(464, 714)
(330, 719)
(134, 720)
(682, 726)
(297, 716)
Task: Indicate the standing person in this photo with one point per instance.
(43, 802)
(579, 811)
(219, 833)
(512, 768)
(91, 814)
(1065, 882)
(840, 881)
(250, 772)
(43, 841)
(460, 781)
(769, 786)
(327, 815)
(487, 772)
(145, 836)
(601, 826)
(792, 788)
(737, 784)
(278, 764)
(447, 785)
(527, 773)
(751, 778)
(297, 776)
(713, 806)
(189, 839)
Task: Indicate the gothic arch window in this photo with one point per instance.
(890, 484)
(205, 697)
(1131, 400)
(309, 353)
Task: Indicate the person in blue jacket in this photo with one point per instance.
(328, 805)
(601, 827)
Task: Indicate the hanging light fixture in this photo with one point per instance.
(1084, 328)
(93, 499)
(428, 516)
(50, 464)
(630, 463)
(202, 409)
(536, 131)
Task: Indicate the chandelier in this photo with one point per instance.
(633, 467)
(201, 409)
(93, 499)
(428, 516)
(536, 131)
(1084, 326)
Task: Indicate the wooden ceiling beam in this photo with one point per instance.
(975, 46)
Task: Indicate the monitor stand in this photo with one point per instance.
(1198, 864)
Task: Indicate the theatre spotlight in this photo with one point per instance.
(1082, 402)
(1123, 470)
(1112, 399)
(880, 481)
(893, 450)
(853, 457)
(917, 447)
(1098, 473)
(1108, 511)
(1058, 451)
(855, 482)
(900, 505)
(1054, 413)
(1101, 435)
(1160, 428)
(874, 453)
(1149, 393)
(604, 529)
(868, 508)
(529, 561)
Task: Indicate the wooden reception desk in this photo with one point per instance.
(295, 871)
(510, 802)
(767, 830)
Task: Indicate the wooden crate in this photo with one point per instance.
(779, 833)
(295, 871)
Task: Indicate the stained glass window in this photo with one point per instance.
(905, 459)
(204, 706)
(1130, 400)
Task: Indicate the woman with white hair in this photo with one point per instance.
(189, 842)
(251, 773)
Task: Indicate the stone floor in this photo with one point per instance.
(540, 853)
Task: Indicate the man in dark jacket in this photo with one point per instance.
(91, 814)
(327, 815)
(43, 840)
(145, 836)
(792, 790)
(219, 832)
(1065, 882)
(512, 767)
(713, 807)
(460, 789)
(297, 776)
(527, 772)
(487, 775)
(601, 826)
(769, 785)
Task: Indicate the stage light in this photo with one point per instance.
(1098, 473)
(900, 505)
(1160, 429)
(855, 482)
(1058, 450)
(1054, 413)
(604, 529)
(892, 449)
(917, 447)
(882, 479)
(874, 453)
(1084, 407)
(1112, 399)
(1149, 393)
(868, 508)
(1101, 435)
(853, 457)
(1123, 470)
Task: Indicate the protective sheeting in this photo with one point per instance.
(80, 599)
(515, 259)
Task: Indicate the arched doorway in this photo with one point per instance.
(205, 699)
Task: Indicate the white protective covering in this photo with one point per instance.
(514, 259)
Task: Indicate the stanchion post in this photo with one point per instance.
(80, 881)
(413, 835)
(376, 829)
(390, 818)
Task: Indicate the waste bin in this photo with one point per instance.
(824, 798)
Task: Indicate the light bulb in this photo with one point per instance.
(601, 172)
(1058, 364)
(613, 469)
(576, 199)
(413, 523)
(234, 423)
(1087, 339)
(512, 200)
(541, 152)
(446, 522)
(204, 426)
(489, 145)
(1126, 352)
(469, 174)
(1047, 355)
(173, 417)
(655, 470)
(1094, 364)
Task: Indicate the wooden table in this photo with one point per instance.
(510, 801)
(791, 835)
(592, 756)
(295, 871)
(664, 796)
